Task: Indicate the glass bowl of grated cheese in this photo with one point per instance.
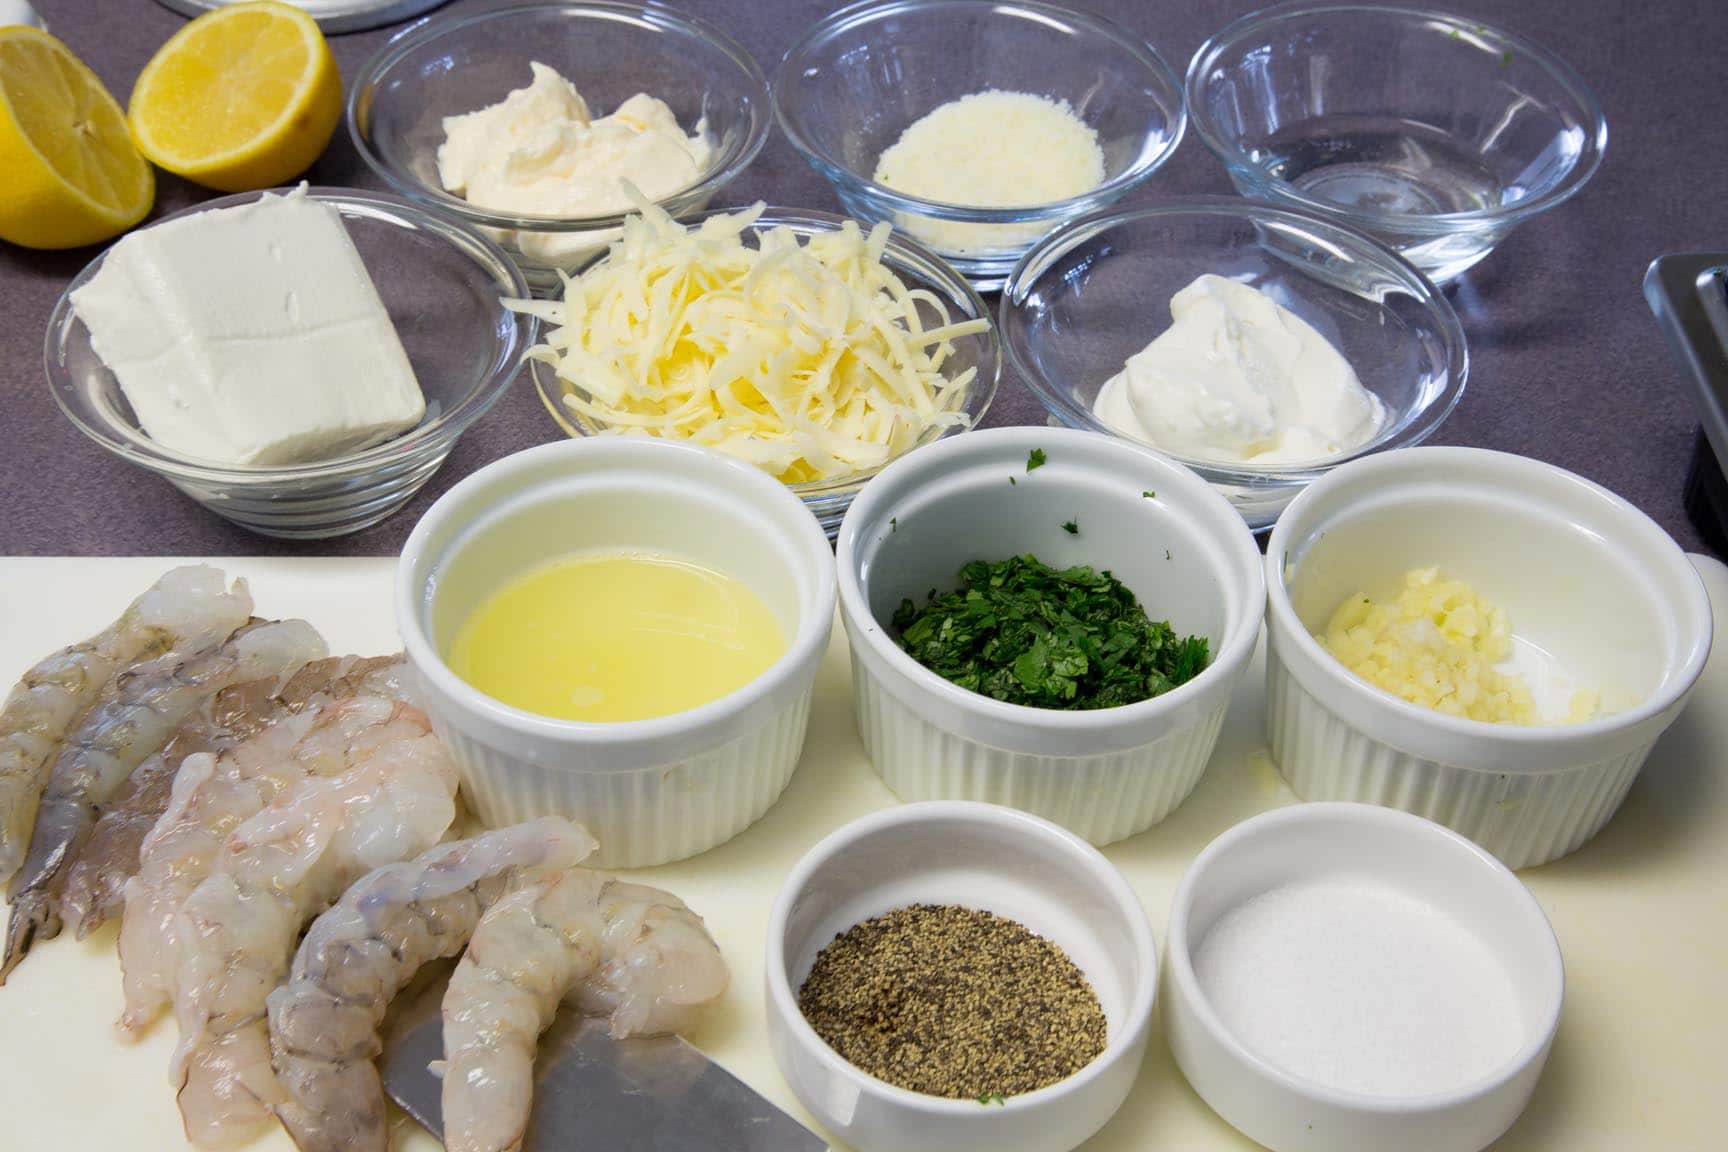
(565, 106)
(975, 127)
(815, 348)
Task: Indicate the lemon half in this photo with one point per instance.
(245, 96)
(69, 172)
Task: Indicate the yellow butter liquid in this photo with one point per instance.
(612, 637)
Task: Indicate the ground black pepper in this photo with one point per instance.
(954, 1002)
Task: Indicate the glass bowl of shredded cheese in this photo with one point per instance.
(976, 128)
(530, 121)
(815, 348)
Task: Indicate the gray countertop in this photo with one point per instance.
(1566, 362)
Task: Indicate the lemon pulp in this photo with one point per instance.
(621, 636)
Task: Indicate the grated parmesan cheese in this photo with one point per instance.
(991, 149)
(1437, 646)
(808, 359)
(995, 149)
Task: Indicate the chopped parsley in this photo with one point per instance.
(1011, 480)
(1072, 527)
(992, 1098)
(1150, 495)
(1071, 639)
(1035, 459)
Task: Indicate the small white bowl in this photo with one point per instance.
(1183, 551)
(1416, 858)
(981, 856)
(1585, 577)
(649, 790)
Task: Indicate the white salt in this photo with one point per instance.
(1361, 987)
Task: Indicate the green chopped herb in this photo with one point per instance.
(893, 523)
(1072, 639)
(1166, 553)
(1072, 527)
(1011, 480)
(1505, 59)
(1034, 459)
(1150, 495)
(992, 1098)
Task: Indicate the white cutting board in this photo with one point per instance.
(1642, 912)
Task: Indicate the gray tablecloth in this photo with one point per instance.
(1566, 363)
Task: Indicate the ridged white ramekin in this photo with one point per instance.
(1178, 545)
(978, 856)
(649, 790)
(1584, 577)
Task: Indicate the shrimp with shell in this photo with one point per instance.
(626, 951)
(96, 885)
(137, 713)
(188, 607)
(358, 955)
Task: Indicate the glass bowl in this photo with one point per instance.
(856, 80)
(1434, 134)
(444, 288)
(611, 51)
(1096, 291)
(918, 268)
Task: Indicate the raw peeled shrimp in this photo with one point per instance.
(390, 796)
(357, 956)
(628, 951)
(187, 607)
(96, 886)
(138, 712)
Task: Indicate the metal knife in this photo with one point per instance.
(656, 1094)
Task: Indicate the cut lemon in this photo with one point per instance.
(69, 173)
(246, 96)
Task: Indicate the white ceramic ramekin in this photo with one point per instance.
(979, 856)
(1416, 858)
(1162, 530)
(649, 790)
(1584, 576)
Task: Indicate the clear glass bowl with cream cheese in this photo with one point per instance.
(850, 89)
(1095, 293)
(443, 287)
(610, 53)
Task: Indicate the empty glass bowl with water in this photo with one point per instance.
(1433, 133)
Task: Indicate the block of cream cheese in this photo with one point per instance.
(251, 335)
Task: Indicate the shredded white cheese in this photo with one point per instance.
(808, 359)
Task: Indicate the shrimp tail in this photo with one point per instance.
(34, 915)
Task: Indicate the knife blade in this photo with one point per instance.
(652, 1094)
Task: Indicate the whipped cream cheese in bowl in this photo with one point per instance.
(1259, 346)
(1239, 379)
(530, 121)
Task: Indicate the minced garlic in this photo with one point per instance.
(1437, 645)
